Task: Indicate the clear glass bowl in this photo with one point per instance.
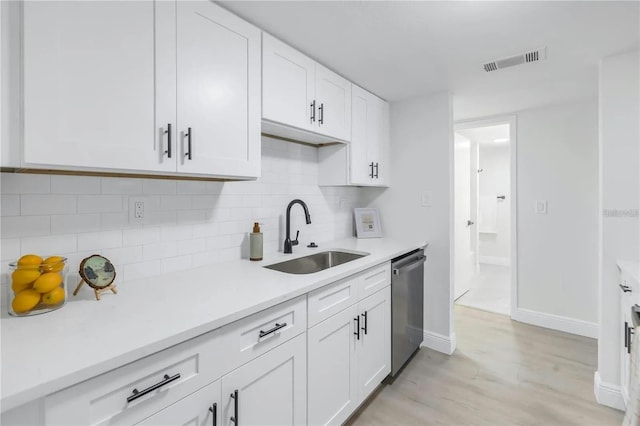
(37, 288)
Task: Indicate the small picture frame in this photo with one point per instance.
(367, 223)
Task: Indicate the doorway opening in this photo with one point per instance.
(484, 214)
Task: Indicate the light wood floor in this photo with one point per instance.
(502, 373)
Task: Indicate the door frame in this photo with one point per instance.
(511, 120)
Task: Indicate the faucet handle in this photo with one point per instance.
(295, 242)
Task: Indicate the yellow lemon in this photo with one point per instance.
(53, 297)
(22, 277)
(25, 301)
(47, 282)
(53, 264)
(29, 261)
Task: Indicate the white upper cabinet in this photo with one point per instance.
(365, 161)
(117, 86)
(89, 85)
(218, 108)
(301, 99)
(288, 84)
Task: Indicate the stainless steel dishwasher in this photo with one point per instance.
(407, 307)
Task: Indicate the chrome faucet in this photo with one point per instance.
(288, 244)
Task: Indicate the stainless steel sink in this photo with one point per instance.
(316, 262)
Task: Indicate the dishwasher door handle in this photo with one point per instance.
(406, 268)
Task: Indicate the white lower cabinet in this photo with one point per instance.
(270, 390)
(349, 356)
(198, 409)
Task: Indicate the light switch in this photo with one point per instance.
(426, 199)
(541, 207)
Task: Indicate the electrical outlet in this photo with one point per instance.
(138, 209)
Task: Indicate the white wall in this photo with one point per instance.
(495, 162)
(557, 162)
(619, 152)
(189, 223)
(421, 156)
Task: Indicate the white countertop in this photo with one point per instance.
(630, 267)
(45, 353)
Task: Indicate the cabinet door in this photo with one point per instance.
(288, 84)
(333, 101)
(374, 349)
(89, 85)
(219, 87)
(383, 144)
(270, 390)
(360, 167)
(333, 391)
(201, 408)
(625, 357)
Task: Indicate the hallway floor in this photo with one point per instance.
(490, 290)
(502, 373)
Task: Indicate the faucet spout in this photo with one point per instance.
(288, 244)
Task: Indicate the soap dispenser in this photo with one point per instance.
(255, 243)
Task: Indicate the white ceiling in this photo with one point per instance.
(405, 49)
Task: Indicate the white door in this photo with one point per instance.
(288, 90)
(464, 259)
(89, 81)
(270, 390)
(333, 102)
(219, 87)
(374, 343)
(382, 145)
(201, 408)
(332, 369)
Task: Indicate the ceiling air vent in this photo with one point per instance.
(523, 58)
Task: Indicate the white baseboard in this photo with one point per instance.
(493, 260)
(439, 342)
(556, 322)
(607, 394)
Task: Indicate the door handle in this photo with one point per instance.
(364, 315)
(272, 330)
(135, 394)
(168, 133)
(214, 412)
(234, 418)
(321, 110)
(469, 223)
(188, 135)
(357, 332)
(625, 288)
(406, 268)
(313, 111)
(376, 170)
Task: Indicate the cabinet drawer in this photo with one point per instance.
(260, 332)
(374, 279)
(331, 299)
(171, 375)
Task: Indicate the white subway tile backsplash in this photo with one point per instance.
(191, 187)
(175, 202)
(25, 226)
(159, 251)
(10, 205)
(61, 184)
(17, 183)
(75, 223)
(142, 236)
(120, 186)
(49, 245)
(123, 255)
(99, 240)
(9, 249)
(187, 223)
(100, 203)
(47, 204)
(159, 186)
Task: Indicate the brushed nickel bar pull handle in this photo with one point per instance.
(273, 330)
(321, 109)
(135, 394)
(313, 111)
